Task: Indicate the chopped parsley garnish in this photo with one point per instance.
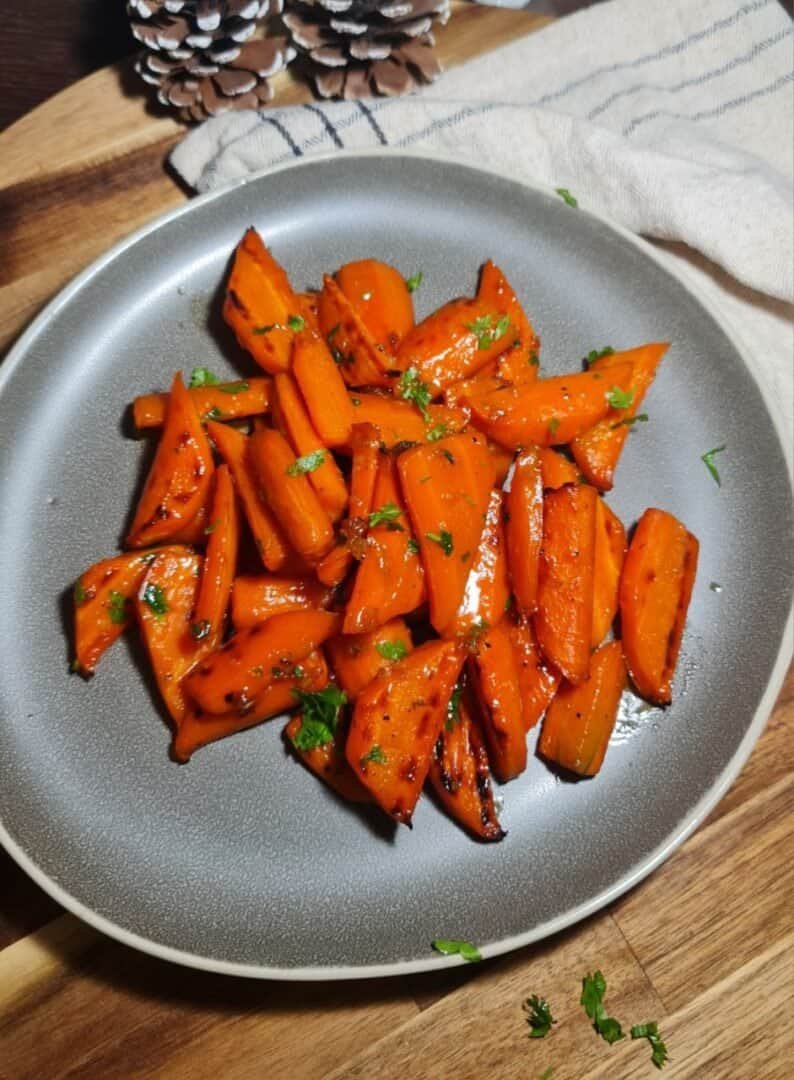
(451, 947)
(413, 389)
(201, 376)
(80, 595)
(264, 329)
(200, 629)
(235, 387)
(534, 359)
(486, 331)
(414, 281)
(650, 1031)
(296, 322)
(320, 716)
(640, 418)
(539, 1016)
(566, 196)
(306, 464)
(554, 423)
(443, 539)
(213, 414)
(453, 709)
(392, 650)
(330, 335)
(447, 454)
(596, 354)
(386, 515)
(413, 546)
(117, 608)
(592, 1000)
(547, 1073)
(355, 401)
(208, 529)
(375, 755)
(619, 399)
(708, 461)
(154, 597)
(438, 431)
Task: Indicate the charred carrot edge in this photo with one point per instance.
(524, 528)
(362, 361)
(380, 296)
(610, 552)
(537, 681)
(556, 470)
(495, 679)
(328, 761)
(487, 591)
(226, 401)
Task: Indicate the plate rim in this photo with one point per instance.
(631, 877)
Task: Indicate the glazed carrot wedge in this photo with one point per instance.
(396, 722)
(494, 678)
(234, 448)
(380, 295)
(610, 551)
(563, 621)
(401, 422)
(549, 411)
(598, 450)
(220, 559)
(510, 368)
(225, 401)
(655, 590)
(260, 306)
(327, 760)
(461, 776)
(537, 682)
(447, 486)
(308, 308)
(556, 470)
(292, 418)
(195, 532)
(487, 591)
(362, 360)
(234, 675)
(580, 719)
(198, 728)
(102, 603)
(496, 292)
(389, 580)
(180, 475)
(294, 502)
(453, 342)
(524, 528)
(322, 388)
(502, 460)
(164, 608)
(255, 599)
(358, 658)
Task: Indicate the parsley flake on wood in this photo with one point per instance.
(413, 389)
(306, 464)
(453, 709)
(296, 322)
(592, 1000)
(650, 1031)
(452, 947)
(386, 515)
(547, 1073)
(629, 421)
(154, 597)
(539, 1016)
(320, 716)
(375, 755)
(414, 281)
(443, 539)
(596, 354)
(392, 650)
(708, 461)
(117, 608)
(619, 399)
(566, 196)
(201, 376)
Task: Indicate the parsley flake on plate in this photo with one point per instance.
(201, 376)
(619, 399)
(452, 947)
(708, 461)
(566, 196)
(414, 281)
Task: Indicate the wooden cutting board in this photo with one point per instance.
(705, 946)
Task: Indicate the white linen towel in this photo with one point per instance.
(674, 119)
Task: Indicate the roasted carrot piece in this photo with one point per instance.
(260, 304)
(524, 528)
(549, 411)
(598, 449)
(234, 675)
(487, 592)
(655, 590)
(365, 445)
(323, 389)
(358, 658)
(362, 360)
(537, 682)
(197, 728)
(164, 608)
(496, 292)
(226, 401)
(220, 559)
(290, 496)
(495, 679)
(610, 551)
(447, 486)
(389, 580)
(327, 761)
(510, 368)
(380, 295)
(292, 418)
(308, 308)
(179, 477)
(255, 599)
(460, 773)
(563, 621)
(234, 448)
(502, 460)
(580, 719)
(556, 470)
(102, 603)
(401, 422)
(396, 722)
(453, 342)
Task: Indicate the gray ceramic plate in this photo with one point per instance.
(241, 862)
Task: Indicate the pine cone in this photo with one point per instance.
(202, 55)
(357, 48)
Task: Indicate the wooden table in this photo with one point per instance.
(705, 945)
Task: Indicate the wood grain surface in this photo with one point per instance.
(705, 946)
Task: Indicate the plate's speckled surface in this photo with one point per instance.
(241, 860)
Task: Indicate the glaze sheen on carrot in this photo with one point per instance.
(495, 679)
(399, 421)
(256, 597)
(524, 528)
(220, 560)
(225, 401)
(536, 680)
(655, 590)
(487, 590)
(322, 388)
(610, 551)
(380, 296)
(358, 658)
(556, 470)
(362, 360)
